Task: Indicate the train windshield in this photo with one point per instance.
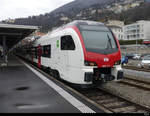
(98, 39)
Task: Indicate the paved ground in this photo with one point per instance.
(21, 91)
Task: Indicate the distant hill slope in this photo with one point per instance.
(81, 4)
(85, 7)
(49, 20)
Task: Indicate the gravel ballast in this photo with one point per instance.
(133, 94)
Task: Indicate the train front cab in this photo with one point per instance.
(98, 75)
(102, 55)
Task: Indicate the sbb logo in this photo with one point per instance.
(106, 59)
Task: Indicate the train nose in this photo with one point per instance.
(105, 62)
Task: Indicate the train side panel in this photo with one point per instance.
(76, 68)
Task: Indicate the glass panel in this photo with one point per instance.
(67, 43)
(98, 39)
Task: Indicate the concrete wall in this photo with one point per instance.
(141, 49)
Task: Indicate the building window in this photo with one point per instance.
(121, 37)
(138, 31)
(67, 43)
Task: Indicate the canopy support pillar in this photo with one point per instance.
(5, 50)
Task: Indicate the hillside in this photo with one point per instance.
(52, 19)
(98, 10)
(81, 4)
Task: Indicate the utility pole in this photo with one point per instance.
(136, 40)
(136, 45)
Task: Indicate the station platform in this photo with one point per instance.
(25, 90)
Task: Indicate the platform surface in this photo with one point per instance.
(21, 91)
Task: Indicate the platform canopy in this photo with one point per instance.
(14, 33)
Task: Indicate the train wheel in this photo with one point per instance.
(47, 70)
(51, 72)
(56, 74)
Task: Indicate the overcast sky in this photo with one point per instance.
(24, 8)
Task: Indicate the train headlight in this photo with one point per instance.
(118, 62)
(89, 63)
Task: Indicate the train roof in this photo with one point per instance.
(84, 22)
(74, 23)
(77, 23)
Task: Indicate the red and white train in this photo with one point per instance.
(81, 52)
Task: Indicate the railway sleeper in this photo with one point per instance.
(114, 104)
(108, 101)
(125, 109)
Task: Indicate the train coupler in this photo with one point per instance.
(103, 78)
(106, 78)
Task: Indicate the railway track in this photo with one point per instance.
(104, 100)
(136, 83)
(113, 103)
(108, 102)
(136, 68)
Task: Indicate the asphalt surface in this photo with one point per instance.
(22, 92)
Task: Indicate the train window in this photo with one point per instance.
(36, 55)
(47, 51)
(67, 43)
(99, 40)
(33, 52)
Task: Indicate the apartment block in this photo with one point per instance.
(138, 30)
(117, 28)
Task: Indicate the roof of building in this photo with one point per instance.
(39, 34)
(114, 26)
(14, 33)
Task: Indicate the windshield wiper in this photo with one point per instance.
(109, 40)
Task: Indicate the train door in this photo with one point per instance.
(39, 55)
(64, 57)
(76, 59)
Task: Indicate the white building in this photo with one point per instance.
(93, 11)
(64, 18)
(115, 22)
(135, 5)
(117, 28)
(138, 30)
(118, 32)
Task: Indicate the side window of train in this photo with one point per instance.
(36, 55)
(47, 51)
(67, 43)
